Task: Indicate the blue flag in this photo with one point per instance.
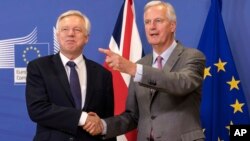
(223, 99)
(24, 53)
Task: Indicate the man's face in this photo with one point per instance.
(72, 36)
(159, 30)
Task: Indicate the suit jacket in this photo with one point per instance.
(165, 101)
(50, 103)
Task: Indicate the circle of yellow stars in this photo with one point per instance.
(27, 50)
(233, 83)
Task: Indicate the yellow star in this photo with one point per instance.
(228, 127)
(221, 65)
(237, 106)
(207, 72)
(233, 83)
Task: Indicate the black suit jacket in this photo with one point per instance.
(50, 103)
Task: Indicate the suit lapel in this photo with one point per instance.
(62, 76)
(149, 61)
(90, 82)
(173, 58)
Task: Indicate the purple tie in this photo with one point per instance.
(75, 85)
(159, 62)
(159, 66)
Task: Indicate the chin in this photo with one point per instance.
(154, 43)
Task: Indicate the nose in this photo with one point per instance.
(152, 26)
(71, 32)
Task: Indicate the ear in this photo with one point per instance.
(173, 26)
(87, 38)
(57, 35)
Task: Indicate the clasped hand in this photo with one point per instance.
(93, 124)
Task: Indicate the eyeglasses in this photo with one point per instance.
(156, 21)
(75, 30)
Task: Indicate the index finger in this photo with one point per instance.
(105, 51)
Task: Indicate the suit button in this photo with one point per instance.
(71, 139)
(153, 117)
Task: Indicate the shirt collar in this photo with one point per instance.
(78, 60)
(165, 55)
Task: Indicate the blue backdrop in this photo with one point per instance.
(26, 31)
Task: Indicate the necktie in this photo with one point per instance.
(75, 85)
(159, 62)
(159, 66)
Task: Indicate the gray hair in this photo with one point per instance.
(170, 14)
(87, 25)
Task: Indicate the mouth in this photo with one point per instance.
(154, 34)
(70, 41)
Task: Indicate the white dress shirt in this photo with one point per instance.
(82, 74)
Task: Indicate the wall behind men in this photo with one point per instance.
(20, 18)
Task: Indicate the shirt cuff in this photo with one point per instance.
(139, 72)
(104, 131)
(83, 119)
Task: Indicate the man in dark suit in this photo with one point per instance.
(165, 91)
(60, 116)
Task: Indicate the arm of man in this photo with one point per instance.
(183, 74)
(126, 121)
(116, 125)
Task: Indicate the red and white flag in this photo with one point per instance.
(125, 41)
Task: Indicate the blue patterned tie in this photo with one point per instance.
(75, 85)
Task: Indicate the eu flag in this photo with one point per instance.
(24, 53)
(223, 100)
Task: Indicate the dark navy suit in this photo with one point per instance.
(51, 105)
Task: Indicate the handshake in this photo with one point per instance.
(93, 124)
